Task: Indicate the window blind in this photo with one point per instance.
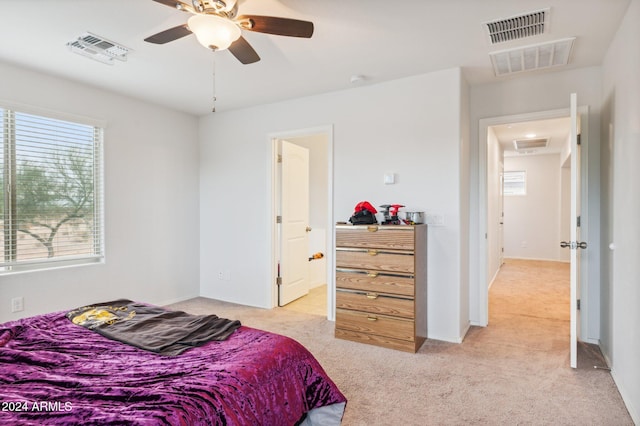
(515, 183)
(52, 197)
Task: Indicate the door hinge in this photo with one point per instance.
(578, 221)
(578, 139)
(278, 219)
(279, 158)
(278, 280)
(578, 304)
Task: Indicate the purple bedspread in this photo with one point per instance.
(55, 372)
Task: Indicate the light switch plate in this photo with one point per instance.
(389, 178)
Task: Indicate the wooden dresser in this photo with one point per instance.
(381, 285)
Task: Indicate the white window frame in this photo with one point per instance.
(518, 179)
(12, 265)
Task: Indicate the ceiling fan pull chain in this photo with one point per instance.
(214, 82)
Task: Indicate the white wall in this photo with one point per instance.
(532, 221)
(410, 127)
(621, 209)
(494, 213)
(151, 188)
(463, 295)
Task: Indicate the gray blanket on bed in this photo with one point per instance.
(150, 327)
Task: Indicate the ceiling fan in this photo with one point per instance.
(216, 26)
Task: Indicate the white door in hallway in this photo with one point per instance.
(295, 223)
(574, 244)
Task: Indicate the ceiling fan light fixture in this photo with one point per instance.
(214, 32)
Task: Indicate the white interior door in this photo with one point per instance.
(501, 218)
(294, 260)
(574, 245)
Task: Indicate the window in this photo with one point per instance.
(51, 207)
(515, 183)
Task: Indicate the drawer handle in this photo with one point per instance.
(372, 318)
(372, 296)
(372, 228)
(372, 252)
(372, 274)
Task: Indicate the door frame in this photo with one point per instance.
(272, 182)
(482, 289)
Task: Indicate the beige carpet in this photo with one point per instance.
(513, 372)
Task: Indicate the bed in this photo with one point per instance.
(53, 371)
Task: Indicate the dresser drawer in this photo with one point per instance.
(375, 236)
(374, 303)
(380, 325)
(398, 261)
(375, 281)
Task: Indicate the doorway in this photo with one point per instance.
(319, 255)
(488, 265)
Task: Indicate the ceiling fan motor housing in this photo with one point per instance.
(226, 8)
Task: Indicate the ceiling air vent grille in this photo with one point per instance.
(516, 27)
(98, 48)
(522, 144)
(532, 57)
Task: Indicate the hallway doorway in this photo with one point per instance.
(319, 143)
(546, 233)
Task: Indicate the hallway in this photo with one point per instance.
(529, 304)
(314, 303)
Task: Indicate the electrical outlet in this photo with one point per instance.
(220, 275)
(17, 304)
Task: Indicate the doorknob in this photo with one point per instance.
(573, 245)
(308, 229)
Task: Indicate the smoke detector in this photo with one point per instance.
(98, 48)
(519, 26)
(533, 57)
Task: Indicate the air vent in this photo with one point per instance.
(98, 48)
(526, 144)
(516, 27)
(532, 57)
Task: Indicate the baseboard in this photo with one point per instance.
(537, 259)
(177, 300)
(634, 411)
(458, 339)
(494, 277)
(465, 331)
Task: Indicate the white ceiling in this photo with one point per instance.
(379, 39)
(556, 130)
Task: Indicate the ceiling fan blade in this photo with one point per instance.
(278, 26)
(243, 51)
(169, 35)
